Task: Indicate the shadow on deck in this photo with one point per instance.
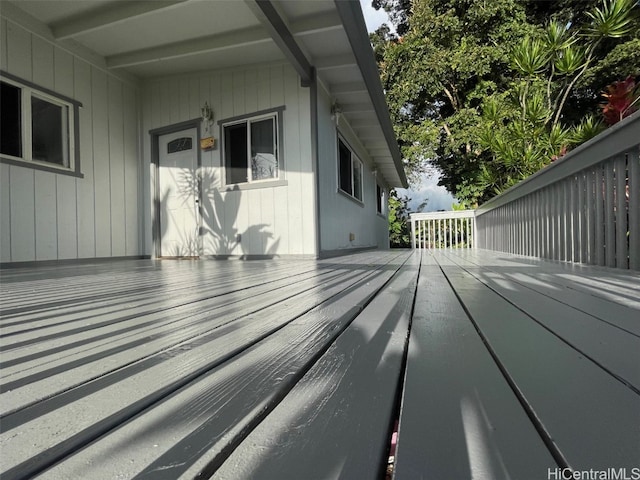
(501, 367)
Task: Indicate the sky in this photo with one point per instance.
(439, 198)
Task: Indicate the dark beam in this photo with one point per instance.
(282, 36)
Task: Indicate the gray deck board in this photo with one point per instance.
(571, 395)
(614, 349)
(338, 416)
(294, 369)
(459, 417)
(207, 416)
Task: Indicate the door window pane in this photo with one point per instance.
(48, 131)
(264, 162)
(10, 120)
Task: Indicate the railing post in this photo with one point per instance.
(413, 233)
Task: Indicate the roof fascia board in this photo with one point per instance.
(108, 15)
(265, 11)
(353, 22)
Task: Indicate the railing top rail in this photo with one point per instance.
(443, 215)
(621, 137)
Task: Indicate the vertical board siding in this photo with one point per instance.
(23, 231)
(340, 215)
(270, 220)
(85, 196)
(101, 163)
(5, 214)
(45, 216)
(49, 216)
(116, 168)
(591, 216)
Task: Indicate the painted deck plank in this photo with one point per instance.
(610, 296)
(459, 416)
(338, 417)
(623, 316)
(248, 365)
(612, 348)
(61, 362)
(216, 410)
(571, 396)
(611, 284)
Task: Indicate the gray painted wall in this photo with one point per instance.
(275, 220)
(50, 216)
(340, 215)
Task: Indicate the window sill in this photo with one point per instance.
(255, 185)
(360, 203)
(382, 215)
(41, 167)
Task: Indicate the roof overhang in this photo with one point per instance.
(143, 39)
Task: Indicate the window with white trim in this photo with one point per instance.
(349, 171)
(251, 149)
(36, 127)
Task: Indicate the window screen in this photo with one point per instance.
(345, 167)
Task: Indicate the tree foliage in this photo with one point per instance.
(399, 231)
(491, 91)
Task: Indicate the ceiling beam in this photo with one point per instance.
(238, 38)
(279, 30)
(107, 15)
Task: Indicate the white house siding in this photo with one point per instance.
(340, 215)
(277, 220)
(49, 216)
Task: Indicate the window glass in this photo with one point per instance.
(264, 162)
(235, 153)
(10, 120)
(380, 198)
(357, 179)
(48, 131)
(344, 167)
(38, 127)
(180, 145)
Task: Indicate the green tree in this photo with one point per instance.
(463, 99)
(399, 230)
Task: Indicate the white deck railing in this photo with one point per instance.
(453, 229)
(583, 208)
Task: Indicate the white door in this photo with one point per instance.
(179, 195)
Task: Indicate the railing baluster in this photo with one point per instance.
(599, 225)
(634, 209)
(609, 215)
(622, 259)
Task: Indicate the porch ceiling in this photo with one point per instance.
(163, 37)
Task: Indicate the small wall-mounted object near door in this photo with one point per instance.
(208, 143)
(207, 115)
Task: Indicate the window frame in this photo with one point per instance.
(354, 160)
(277, 115)
(71, 147)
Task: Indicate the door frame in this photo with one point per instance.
(155, 134)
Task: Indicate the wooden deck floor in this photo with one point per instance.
(500, 367)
